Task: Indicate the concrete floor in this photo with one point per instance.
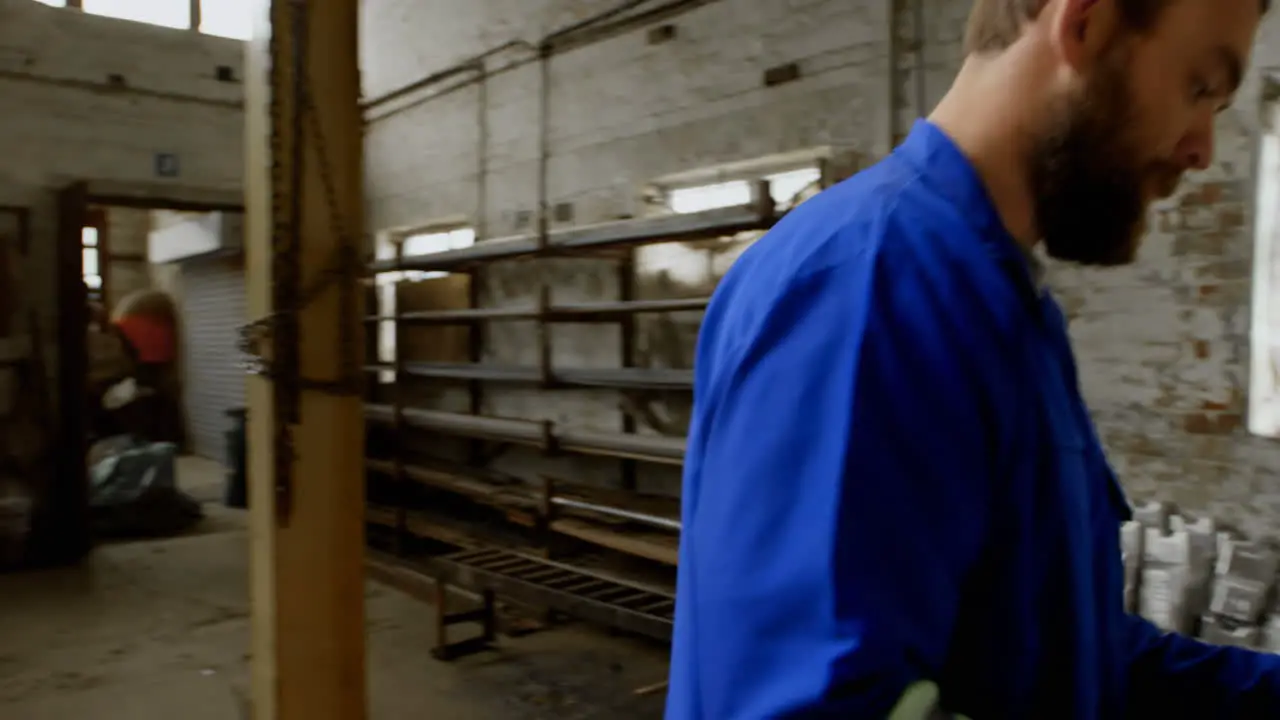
(159, 629)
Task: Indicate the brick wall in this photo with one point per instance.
(126, 268)
(65, 117)
(1163, 345)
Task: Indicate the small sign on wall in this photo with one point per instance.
(166, 165)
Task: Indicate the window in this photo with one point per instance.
(227, 18)
(1264, 334)
(223, 18)
(785, 187)
(412, 244)
(697, 265)
(89, 259)
(165, 13)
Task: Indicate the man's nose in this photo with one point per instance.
(1195, 152)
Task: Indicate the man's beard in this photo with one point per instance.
(1088, 178)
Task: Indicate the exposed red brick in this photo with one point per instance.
(1201, 348)
(1228, 423)
(1212, 423)
(1205, 291)
(1230, 218)
(1134, 444)
(1203, 244)
(1198, 423)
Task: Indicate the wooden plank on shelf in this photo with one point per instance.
(654, 546)
(434, 343)
(475, 489)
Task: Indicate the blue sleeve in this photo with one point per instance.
(844, 468)
(1173, 676)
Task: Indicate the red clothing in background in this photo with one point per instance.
(152, 338)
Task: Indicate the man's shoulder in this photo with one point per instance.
(884, 217)
(880, 242)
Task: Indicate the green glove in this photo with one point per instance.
(920, 702)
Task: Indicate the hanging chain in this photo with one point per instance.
(280, 329)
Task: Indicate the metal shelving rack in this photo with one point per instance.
(614, 240)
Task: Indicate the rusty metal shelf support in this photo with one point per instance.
(546, 377)
(627, 351)
(485, 616)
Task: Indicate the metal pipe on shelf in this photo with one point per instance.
(489, 250)
(657, 229)
(656, 449)
(665, 228)
(653, 448)
(473, 371)
(613, 309)
(521, 497)
(476, 426)
(627, 378)
(519, 431)
(564, 312)
(621, 378)
(654, 520)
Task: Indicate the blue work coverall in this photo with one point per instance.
(892, 479)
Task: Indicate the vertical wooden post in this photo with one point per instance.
(60, 529)
(307, 535)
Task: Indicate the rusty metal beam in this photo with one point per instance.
(304, 210)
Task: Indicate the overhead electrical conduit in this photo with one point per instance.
(579, 34)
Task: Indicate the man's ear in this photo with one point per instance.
(1080, 30)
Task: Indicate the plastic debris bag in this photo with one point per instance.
(1244, 577)
(1131, 535)
(1222, 631)
(15, 523)
(1202, 536)
(1166, 566)
(134, 492)
(1153, 514)
(1271, 634)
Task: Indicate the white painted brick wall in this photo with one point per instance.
(61, 121)
(64, 122)
(126, 240)
(622, 111)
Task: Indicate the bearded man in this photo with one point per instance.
(895, 502)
